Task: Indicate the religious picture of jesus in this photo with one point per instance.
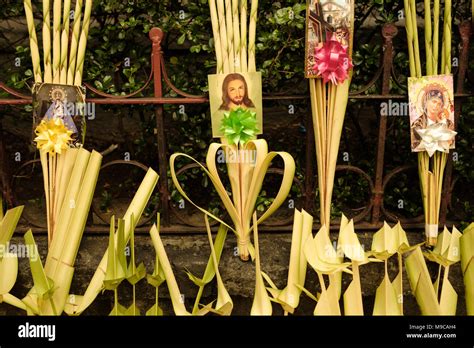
(231, 91)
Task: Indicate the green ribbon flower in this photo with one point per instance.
(239, 125)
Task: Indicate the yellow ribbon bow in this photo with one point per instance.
(52, 136)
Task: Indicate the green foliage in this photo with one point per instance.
(280, 43)
(388, 11)
(367, 57)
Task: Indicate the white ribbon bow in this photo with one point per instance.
(435, 137)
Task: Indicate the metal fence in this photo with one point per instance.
(371, 216)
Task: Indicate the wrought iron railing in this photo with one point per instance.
(371, 215)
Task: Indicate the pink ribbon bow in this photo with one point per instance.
(332, 61)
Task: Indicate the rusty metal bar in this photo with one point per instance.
(389, 31)
(201, 100)
(156, 35)
(5, 171)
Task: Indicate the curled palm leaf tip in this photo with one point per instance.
(239, 126)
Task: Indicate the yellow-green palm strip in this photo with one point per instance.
(76, 27)
(252, 33)
(243, 35)
(48, 78)
(237, 57)
(56, 40)
(81, 51)
(223, 34)
(64, 42)
(216, 35)
(35, 57)
(230, 34)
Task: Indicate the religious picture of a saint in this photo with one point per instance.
(431, 103)
(326, 19)
(51, 101)
(228, 92)
(59, 109)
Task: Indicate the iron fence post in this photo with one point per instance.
(389, 31)
(156, 35)
(5, 176)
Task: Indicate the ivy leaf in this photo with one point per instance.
(181, 39)
(239, 125)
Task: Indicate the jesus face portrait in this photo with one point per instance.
(235, 93)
